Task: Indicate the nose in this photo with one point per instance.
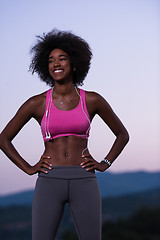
(57, 63)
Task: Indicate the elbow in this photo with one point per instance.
(123, 137)
(2, 141)
(126, 137)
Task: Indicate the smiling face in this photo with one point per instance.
(60, 65)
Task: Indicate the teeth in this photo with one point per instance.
(57, 71)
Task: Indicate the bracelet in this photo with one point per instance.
(107, 161)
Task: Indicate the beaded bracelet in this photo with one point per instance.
(107, 161)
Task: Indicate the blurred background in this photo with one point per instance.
(124, 36)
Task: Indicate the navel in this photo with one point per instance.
(66, 154)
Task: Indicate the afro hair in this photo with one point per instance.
(77, 48)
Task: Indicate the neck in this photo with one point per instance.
(64, 89)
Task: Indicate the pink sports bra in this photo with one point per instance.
(57, 123)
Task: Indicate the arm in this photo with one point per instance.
(23, 115)
(103, 109)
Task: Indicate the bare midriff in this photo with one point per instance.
(66, 151)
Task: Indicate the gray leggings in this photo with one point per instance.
(64, 184)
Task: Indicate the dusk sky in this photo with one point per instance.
(124, 36)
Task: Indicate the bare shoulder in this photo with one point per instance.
(33, 107)
(93, 96)
(96, 104)
(96, 99)
(36, 100)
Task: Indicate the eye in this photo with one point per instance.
(63, 59)
(50, 61)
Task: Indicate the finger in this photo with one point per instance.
(87, 158)
(43, 170)
(90, 169)
(88, 164)
(47, 163)
(45, 157)
(85, 162)
(46, 166)
(96, 166)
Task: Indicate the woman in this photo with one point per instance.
(66, 169)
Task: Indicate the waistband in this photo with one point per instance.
(67, 172)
